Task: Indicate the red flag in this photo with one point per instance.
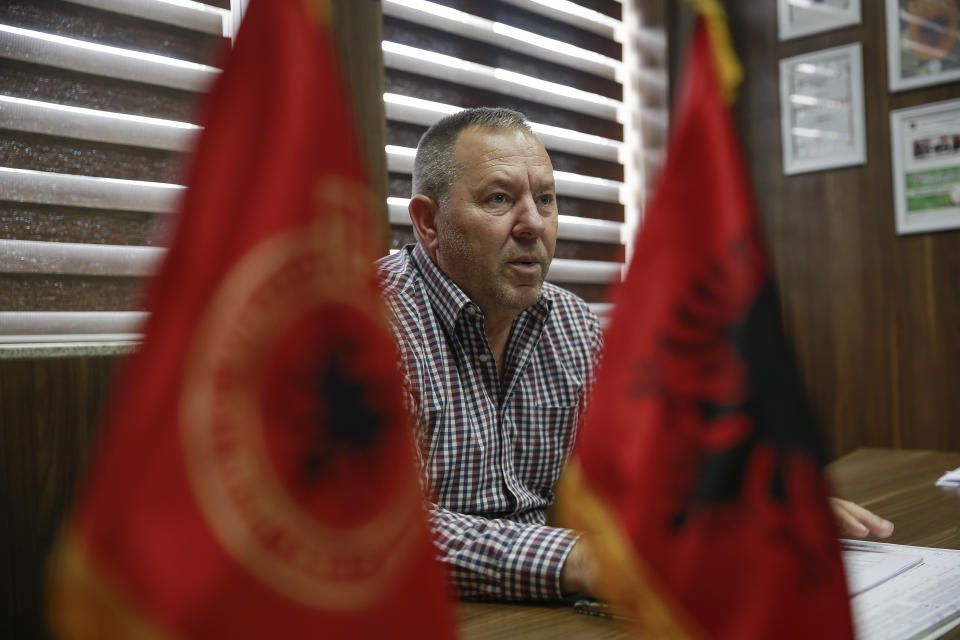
(255, 475)
(699, 464)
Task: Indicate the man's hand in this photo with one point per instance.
(579, 573)
(857, 521)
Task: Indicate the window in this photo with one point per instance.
(570, 68)
(97, 110)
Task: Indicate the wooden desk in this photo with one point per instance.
(895, 484)
(898, 485)
(484, 621)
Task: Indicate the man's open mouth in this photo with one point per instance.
(526, 265)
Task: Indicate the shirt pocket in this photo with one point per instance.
(545, 432)
(456, 456)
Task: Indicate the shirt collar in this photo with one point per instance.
(449, 301)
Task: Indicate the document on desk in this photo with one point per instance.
(867, 567)
(949, 479)
(919, 602)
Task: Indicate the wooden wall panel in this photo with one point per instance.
(48, 416)
(874, 316)
(357, 31)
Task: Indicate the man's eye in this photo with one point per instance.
(546, 198)
(498, 198)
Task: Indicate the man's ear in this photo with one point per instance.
(423, 214)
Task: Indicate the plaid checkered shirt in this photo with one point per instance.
(491, 448)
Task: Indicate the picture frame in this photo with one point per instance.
(925, 154)
(822, 111)
(798, 18)
(923, 47)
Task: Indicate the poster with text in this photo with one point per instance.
(926, 166)
(821, 108)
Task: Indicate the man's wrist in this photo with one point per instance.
(575, 569)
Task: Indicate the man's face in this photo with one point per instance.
(497, 232)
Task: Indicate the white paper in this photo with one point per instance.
(867, 568)
(949, 479)
(921, 602)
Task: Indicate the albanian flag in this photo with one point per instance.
(255, 477)
(698, 471)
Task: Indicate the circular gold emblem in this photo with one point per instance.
(289, 413)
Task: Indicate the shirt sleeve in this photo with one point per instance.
(501, 559)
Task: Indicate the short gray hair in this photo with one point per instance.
(435, 168)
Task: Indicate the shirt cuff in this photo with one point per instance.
(533, 565)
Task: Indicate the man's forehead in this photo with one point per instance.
(504, 180)
(479, 147)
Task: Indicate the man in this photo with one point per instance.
(497, 362)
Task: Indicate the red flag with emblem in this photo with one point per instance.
(699, 465)
(255, 478)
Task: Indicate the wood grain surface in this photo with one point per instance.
(49, 410)
(896, 484)
(899, 485)
(489, 621)
(873, 315)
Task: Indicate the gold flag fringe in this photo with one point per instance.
(630, 589)
(729, 69)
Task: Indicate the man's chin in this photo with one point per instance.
(521, 297)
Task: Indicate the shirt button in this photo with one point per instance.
(484, 358)
(471, 310)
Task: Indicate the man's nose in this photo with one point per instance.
(529, 222)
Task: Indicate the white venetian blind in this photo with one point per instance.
(576, 69)
(97, 109)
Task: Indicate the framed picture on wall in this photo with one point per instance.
(821, 110)
(925, 148)
(922, 43)
(797, 18)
